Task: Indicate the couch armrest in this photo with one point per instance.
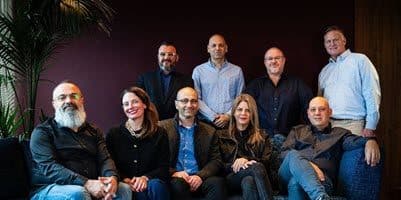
(357, 180)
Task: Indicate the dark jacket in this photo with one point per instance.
(207, 152)
(229, 150)
(151, 83)
(64, 157)
(148, 156)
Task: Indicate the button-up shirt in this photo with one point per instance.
(186, 152)
(351, 85)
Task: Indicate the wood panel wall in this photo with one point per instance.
(378, 35)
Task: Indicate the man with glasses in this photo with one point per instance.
(217, 82)
(70, 159)
(162, 85)
(194, 152)
(351, 85)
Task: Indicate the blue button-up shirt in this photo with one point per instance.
(217, 87)
(351, 85)
(186, 152)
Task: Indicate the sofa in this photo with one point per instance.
(356, 180)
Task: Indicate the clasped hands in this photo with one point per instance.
(137, 184)
(102, 188)
(194, 181)
(241, 163)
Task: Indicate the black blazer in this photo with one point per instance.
(151, 83)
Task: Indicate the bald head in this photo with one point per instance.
(187, 103)
(217, 48)
(319, 112)
(60, 89)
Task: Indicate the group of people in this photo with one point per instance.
(209, 136)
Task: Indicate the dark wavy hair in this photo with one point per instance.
(151, 116)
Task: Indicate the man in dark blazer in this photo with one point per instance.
(162, 85)
(195, 158)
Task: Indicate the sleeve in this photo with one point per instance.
(203, 108)
(305, 95)
(45, 157)
(371, 92)
(107, 165)
(289, 143)
(215, 164)
(266, 153)
(163, 154)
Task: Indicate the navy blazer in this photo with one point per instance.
(151, 83)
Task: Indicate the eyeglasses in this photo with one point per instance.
(63, 97)
(168, 54)
(185, 101)
(277, 58)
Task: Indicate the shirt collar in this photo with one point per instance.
(214, 66)
(326, 130)
(341, 57)
(162, 74)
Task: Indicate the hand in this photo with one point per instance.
(372, 152)
(368, 133)
(182, 174)
(194, 182)
(139, 184)
(221, 120)
(318, 171)
(96, 188)
(249, 163)
(238, 164)
(110, 186)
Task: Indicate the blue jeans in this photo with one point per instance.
(298, 175)
(157, 190)
(76, 192)
(253, 182)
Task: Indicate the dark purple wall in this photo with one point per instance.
(104, 66)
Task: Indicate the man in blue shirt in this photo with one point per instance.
(195, 157)
(351, 85)
(217, 82)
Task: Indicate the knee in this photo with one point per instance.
(76, 192)
(258, 169)
(179, 184)
(248, 183)
(215, 181)
(293, 185)
(157, 185)
(124, 191)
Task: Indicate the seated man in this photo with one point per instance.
(312, 153)
(194, 152)
(70, 156)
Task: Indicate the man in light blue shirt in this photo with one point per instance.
(217, 82)
(351, 85)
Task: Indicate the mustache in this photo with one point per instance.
(69, 105)
(166, 60)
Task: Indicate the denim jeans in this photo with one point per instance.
(76, 192)
(253, 182)
(157, 190)
(298, 176)
(211, 188)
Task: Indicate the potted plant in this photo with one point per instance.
(32, 34)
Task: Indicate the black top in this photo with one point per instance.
(324, 148)
(151, 82)
(67, 158)
(280, 107)
(148, 156)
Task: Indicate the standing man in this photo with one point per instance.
(162, 85)
(70, 157)
(312, 154)
(217, 82)
(282, 99)
(351, 85)
(194, 152)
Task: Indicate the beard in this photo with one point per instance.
(70, 115)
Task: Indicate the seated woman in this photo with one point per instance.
(140, 148)
(246, 151)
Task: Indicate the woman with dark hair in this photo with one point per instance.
(246, 151)
(140, 148)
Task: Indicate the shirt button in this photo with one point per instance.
(274, 108)
(275, 119)
(135, 146)
(135, 161)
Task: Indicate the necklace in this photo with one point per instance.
(136, 133)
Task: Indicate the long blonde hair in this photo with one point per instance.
(255, 133)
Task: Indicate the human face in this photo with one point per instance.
(319, 112)
(187, 103)
(167, 57)
(242, 115)
(217, 47)
(133, 106)
(274, 62)
(334, 42)
(67, 97)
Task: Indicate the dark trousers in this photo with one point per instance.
(253, 182)
(211, 188)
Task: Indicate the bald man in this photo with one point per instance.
(70, 155)
(312, 153)
(217, 82)
(195, 157)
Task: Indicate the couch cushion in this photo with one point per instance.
(13, 175)
(357, 180)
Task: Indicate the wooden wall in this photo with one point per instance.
(378, 34)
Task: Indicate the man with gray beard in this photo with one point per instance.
(70, 158)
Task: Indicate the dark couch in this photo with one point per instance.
(356, 179)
